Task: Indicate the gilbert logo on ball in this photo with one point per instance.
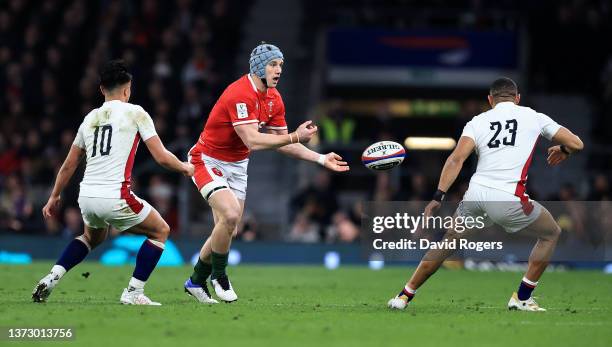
(383, 155)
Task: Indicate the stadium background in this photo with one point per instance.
(341, 69)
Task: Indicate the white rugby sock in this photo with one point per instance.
(58, 270)
(82, 239)
(410, 290)
(158, 243)
(529, 282)
(136, 284)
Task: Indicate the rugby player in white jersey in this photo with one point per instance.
(504, 138)
(108, 139)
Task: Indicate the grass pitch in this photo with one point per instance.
(311, 306)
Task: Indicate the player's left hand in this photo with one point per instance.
(555, 156)
(334, 162)
(51, 207)
(431, 208)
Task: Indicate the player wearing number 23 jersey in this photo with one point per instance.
(504, 138)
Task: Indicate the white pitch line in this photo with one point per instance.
(566, 323)
(579, 309)
(370, 305)
(311, 305)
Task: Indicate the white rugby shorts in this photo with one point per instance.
(122, 214)
(212, 175)
(498, 207)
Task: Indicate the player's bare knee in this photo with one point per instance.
(230, 219)
(87, 240)
(163, 233)
(230, 225)
(95, 242)
(92, 241)
(160, 232)
(552, 234)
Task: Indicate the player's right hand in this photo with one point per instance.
(306, 131)
(51, 207)
(188, 170)
(431, 208)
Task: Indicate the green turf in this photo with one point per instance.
(311, 306)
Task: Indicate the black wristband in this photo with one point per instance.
(564, 149)
(439, 195)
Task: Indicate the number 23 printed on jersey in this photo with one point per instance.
(511, 126)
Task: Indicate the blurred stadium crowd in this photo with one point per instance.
(49, 57)
(183, 53)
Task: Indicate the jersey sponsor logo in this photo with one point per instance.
(241, 110)
(217, 172)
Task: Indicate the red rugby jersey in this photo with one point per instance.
(240, 103)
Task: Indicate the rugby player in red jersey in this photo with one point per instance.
(248, 116)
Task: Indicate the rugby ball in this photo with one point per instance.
(383, 155)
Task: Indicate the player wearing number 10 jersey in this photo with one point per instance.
(504, 138)
(108, 138)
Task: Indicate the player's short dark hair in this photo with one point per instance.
(503, 88)
(113, 74)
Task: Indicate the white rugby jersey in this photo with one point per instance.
(110, 136)
(506, 138)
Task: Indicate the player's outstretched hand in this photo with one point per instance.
(334, 162)
(51, 207)
(306, 131)
(189, 169)
(555, 156)
(431, 208)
